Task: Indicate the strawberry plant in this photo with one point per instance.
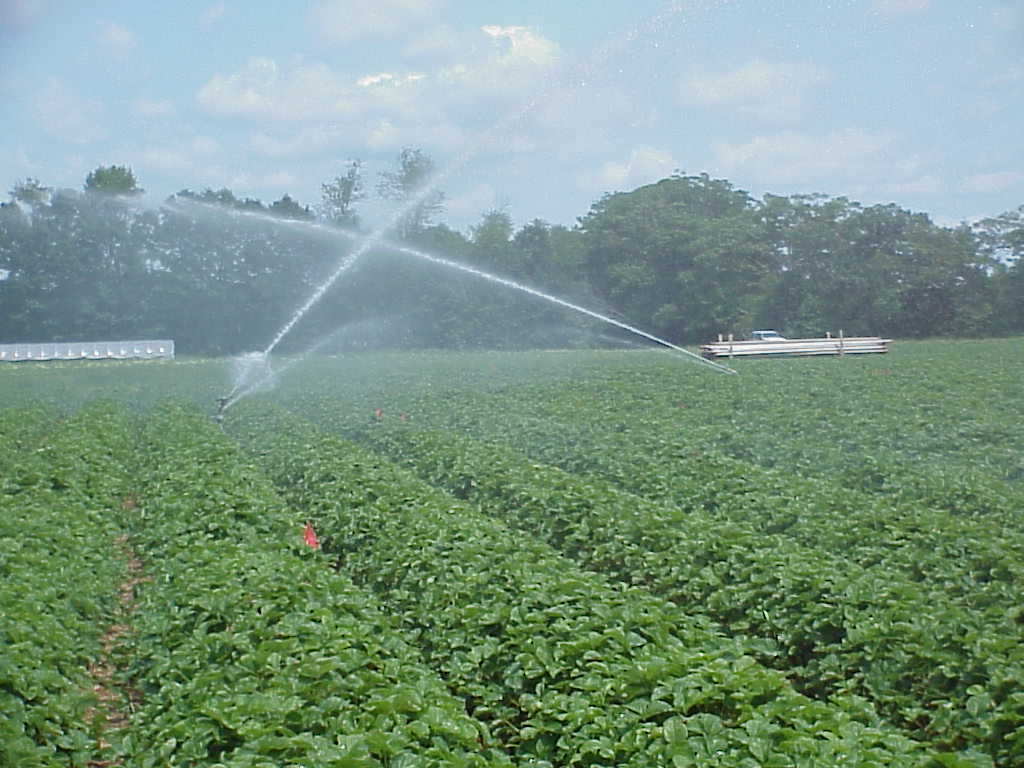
(566, 666)
(249, 649)
(838, 627)
(59, 571)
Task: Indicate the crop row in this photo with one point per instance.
(948, 440)
(930, 414)
(934, 421)
(980, 553)
(568, 667)
(60, 498)
(945, 670)
(249, 650)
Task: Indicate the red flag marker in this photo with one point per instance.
(310, 536)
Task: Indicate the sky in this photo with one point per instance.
(536, 108)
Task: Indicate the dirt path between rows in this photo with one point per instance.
(116, 700)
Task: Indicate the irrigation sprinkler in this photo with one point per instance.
(222, 404)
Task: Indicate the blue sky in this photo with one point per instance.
(535, 107)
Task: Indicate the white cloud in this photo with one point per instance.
(1009, 77)
(212, 14)
(117, 37)
(342, 21)
(439, 39)
(899, 7)
(248, 182)
(306, 141)
(384, 109)
(384, 135)
(770, 90)
(998, 181)
(645, 165)
(388, 79)
(514, 63)
(794, 156)
(926, 185)
(167, 160)
(263, 90)
(381, 110)
(204, 146)
(323, 109)
(867, 166)
(204, 162)
(304, 92)
(472, 202)
(193, 158)
(64, 114)
(523, 44)
(154, 108)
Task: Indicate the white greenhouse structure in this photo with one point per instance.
(86, 350)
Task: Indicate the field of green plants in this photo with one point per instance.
(562, 558)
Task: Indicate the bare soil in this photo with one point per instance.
(116, 701)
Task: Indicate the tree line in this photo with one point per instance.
(685, 258)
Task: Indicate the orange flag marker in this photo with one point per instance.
(310, 536)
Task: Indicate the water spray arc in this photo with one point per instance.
(555, 300)
(253, 371)
(379, 240)
(501, 127)
(262, 376)
(505, 126)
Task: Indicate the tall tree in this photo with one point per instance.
(410, 187)
(551, 256)
(1002, 239)
(288, 208)
(680, 257)
(340, 195)
(30, 192)
(834, 265)
(113, 180)
(492, 243)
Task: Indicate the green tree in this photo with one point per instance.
(492, 243)
(871, 270)
(681, 257)
(30, 192)
(340, 195)
(287, 208)
(113, 180)
(551, 256)
(75, 267)
(1002, 239)
(833, 265)
(228, 282)
(943, 282)
(410, 187)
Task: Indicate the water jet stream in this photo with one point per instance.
(554, 299)
(568, 75)
(244, 386)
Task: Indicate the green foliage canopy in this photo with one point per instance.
(686, 258)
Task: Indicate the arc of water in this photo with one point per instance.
(501, 126)
(556, 300)
(449, 263)
(240, 390)
(252, 371)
